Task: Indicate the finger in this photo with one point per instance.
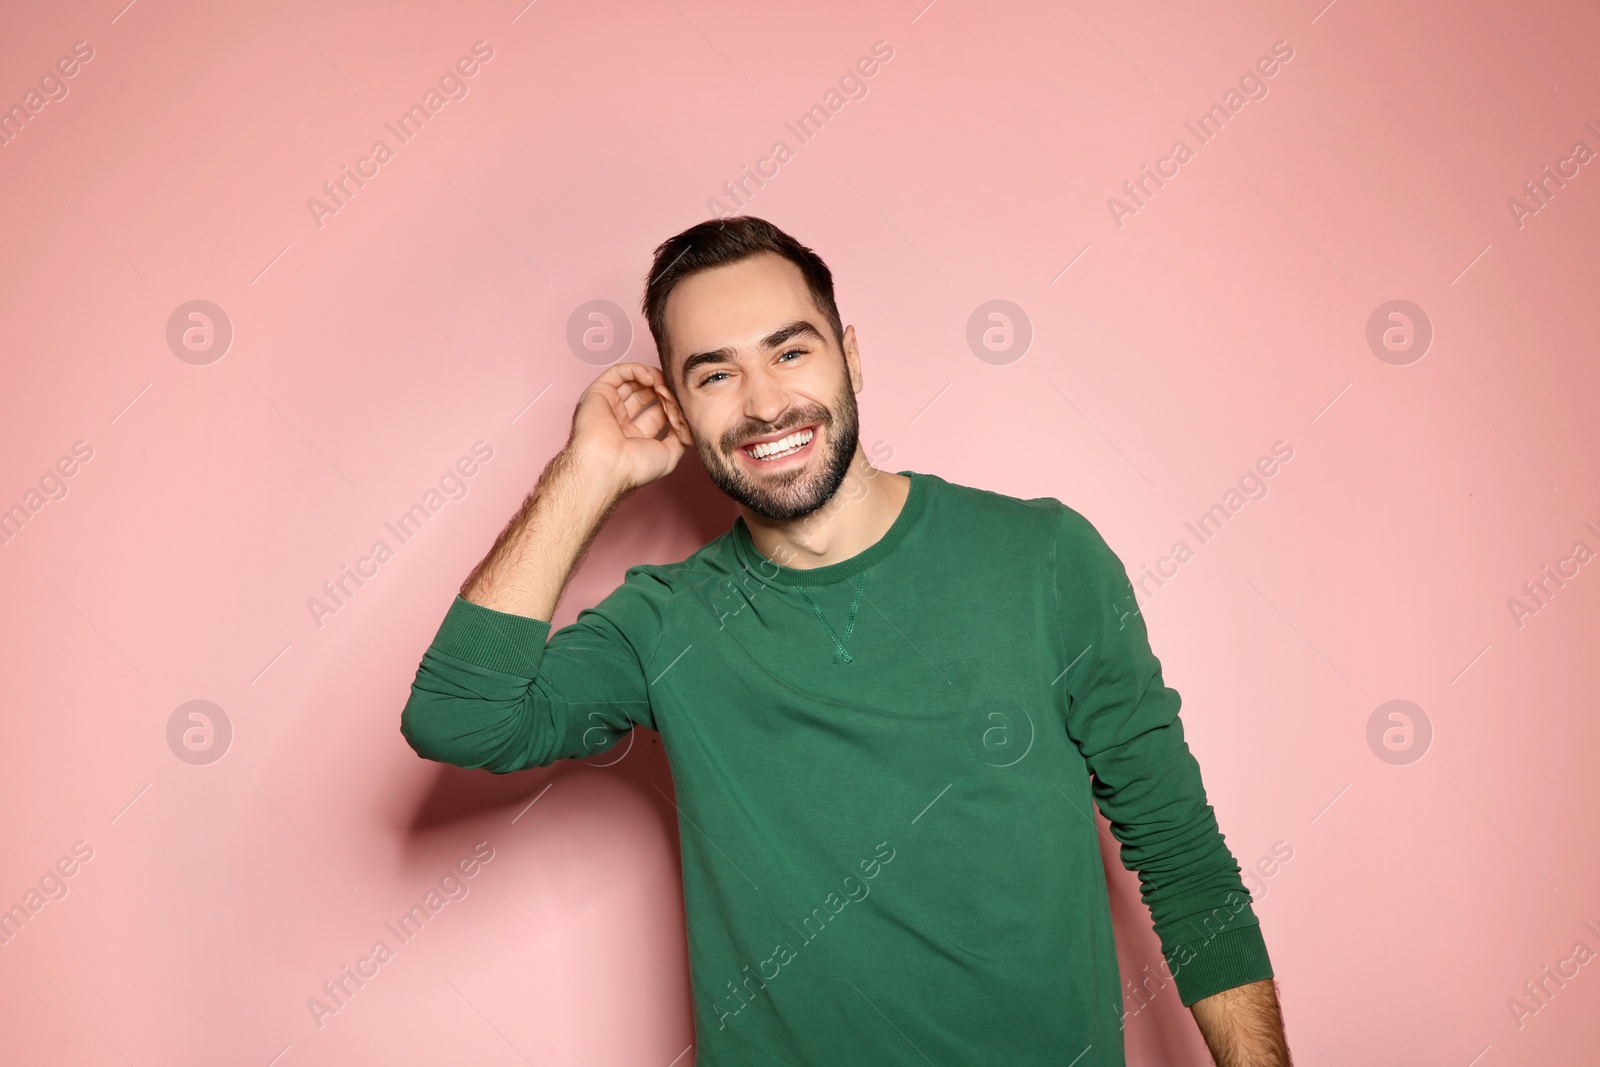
(618, 405)
(625, 396)
(643, 376)
(664, 395)
(649, 422)
(618, 373)
(639, 400)
(633, 389)
(625, 380)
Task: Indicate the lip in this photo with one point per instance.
(799, 454)
(780, 435)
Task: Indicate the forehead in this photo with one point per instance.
(737, 304)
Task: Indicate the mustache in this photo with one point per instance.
(821, 419)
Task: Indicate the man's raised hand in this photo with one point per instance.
(627, 427)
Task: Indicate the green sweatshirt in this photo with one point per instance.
(886, 771)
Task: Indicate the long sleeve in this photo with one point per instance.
(1124, 720)
(492, 692)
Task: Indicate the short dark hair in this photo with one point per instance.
(715, 243)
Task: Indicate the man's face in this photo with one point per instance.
(753, 360)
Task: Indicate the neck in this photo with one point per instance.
(854, 519)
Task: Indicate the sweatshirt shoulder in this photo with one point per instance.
(1039, 515)
(1074, 542)
(652, 596)
(708, 563)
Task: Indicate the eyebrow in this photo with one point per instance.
(784, 333)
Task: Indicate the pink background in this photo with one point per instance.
(369, 353)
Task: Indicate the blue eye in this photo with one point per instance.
(708, 379)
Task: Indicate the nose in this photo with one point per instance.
(764, 397)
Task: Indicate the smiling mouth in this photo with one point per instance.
(783, 448)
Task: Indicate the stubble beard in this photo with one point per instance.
(791, 494)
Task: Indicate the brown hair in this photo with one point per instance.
(718, 242)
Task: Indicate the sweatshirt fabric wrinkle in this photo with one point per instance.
(886, 817)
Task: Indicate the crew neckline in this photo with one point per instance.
(763, 567)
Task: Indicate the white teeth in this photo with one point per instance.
(783, 445)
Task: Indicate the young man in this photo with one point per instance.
(889, 702)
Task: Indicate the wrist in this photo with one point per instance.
(594, 475)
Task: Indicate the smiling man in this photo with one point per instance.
(890, 704)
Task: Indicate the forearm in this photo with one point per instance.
(526, 570)
(1243, 1026)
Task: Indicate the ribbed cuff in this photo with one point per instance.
(496, 640)
(1222, 961)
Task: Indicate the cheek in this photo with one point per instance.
(707, 426)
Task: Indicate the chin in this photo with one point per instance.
(807, 489)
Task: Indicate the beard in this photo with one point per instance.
(795, 491)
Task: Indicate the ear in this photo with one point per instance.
(675, 418)
(852, 360)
